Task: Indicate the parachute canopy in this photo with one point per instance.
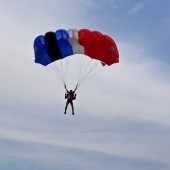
(63, 43)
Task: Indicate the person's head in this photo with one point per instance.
(71, 91)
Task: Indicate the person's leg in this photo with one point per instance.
(66, 107)
(72, 107)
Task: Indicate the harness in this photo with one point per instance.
(70, 96)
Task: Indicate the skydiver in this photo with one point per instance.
(70, 96)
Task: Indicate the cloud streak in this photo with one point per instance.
(136, 8)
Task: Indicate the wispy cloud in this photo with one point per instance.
(136, 8)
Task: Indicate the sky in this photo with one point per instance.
(122, 114)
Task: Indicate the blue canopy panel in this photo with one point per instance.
(62, 37)
(40, 50)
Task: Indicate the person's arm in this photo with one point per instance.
(66, 88)
(75, 88)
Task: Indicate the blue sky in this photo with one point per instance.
(122, 116)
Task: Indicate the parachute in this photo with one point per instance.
(93, 51)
